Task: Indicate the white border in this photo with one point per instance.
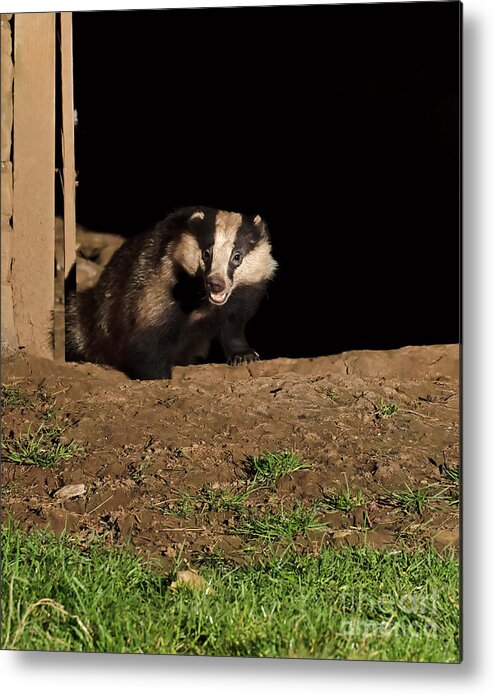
(83, 673)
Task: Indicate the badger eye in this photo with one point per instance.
(206, 254)
(237, 258)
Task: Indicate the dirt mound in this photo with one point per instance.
(168, 464)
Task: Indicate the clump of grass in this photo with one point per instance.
(44, 447)
(183, 507)
(413, 533)
(215, 559)
(454, 498)
(387, 410)
(138, 470)
(416, 501)
(341, 501)
(332, 395)
(281, 525)
(167, 402)
(270, 467)
(13, 396)
(209, 499)
(46, 401)
(218, 500)
(452, 474)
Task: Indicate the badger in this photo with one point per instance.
(198, 275)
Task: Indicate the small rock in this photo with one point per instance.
(192, 580)
(68, 492)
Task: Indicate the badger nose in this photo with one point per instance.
(215, 284)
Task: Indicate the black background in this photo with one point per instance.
(338, 124)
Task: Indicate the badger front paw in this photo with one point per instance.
(243, 357)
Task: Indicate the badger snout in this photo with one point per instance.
(218, 291)
(216, 284)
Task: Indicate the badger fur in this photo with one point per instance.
(167, 293)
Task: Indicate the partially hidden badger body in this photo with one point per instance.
(167, 293)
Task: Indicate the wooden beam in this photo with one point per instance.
(65, 234)
(68, 149)
(33, 239)
(9, 335)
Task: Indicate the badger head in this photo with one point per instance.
(226, 248)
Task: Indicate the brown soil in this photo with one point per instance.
(147, 443)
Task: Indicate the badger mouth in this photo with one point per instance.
(219, 298)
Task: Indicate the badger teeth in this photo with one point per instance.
(219, 297)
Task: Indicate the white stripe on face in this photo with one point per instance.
(257, 266)
(227, 224)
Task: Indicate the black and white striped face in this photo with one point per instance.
(229, 249)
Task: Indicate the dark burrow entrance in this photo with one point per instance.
(338, 124)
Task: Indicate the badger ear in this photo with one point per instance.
(260, 226)
(178, 220)
(197, 215)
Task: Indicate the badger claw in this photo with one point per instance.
(243, 358)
